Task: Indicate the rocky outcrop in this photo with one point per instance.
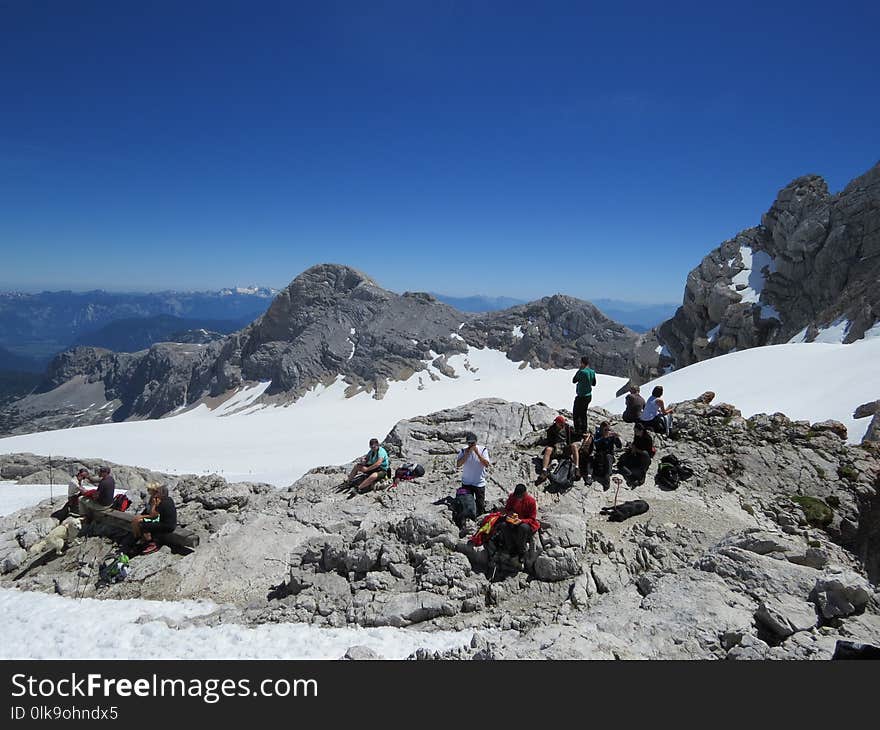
(812, 265)
(332, 321)
(767, 552)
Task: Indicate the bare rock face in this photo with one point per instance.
(813, 263)
(769, 551)
(331, 321)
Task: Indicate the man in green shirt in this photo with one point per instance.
(375, 466)
(585, 379)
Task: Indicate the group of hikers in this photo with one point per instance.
(159, 516)
(587, 455)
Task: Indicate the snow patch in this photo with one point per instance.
(753, 274)
(873, 332)
(834, 332)
(712, 334)
(518, 332)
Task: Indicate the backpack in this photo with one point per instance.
(667, 475)
(464, 507)
(114, 568)
(409, 471)
(121, 502)
(562, 477)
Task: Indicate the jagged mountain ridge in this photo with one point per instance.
(813, 263)
(331, 321)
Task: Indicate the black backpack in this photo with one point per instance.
(671, 472)
(562, 477)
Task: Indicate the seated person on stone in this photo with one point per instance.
(635, 404)
(375, 465)
(519, 521)
(655, 414)
(634, 462)
(561, 442)
(158, 518)
(605, 442)
(75, 490)
(104, 494)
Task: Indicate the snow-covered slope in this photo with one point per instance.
(814, 381)
(243, 441)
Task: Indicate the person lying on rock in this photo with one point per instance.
(473, 462)
(605, 442)
(102, 500)
(158, 518)
(634, 462)
(561, 442)
(374, 465)
(520, 521)
(655, 414)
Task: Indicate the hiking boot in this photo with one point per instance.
(577, 473)
(543, 477)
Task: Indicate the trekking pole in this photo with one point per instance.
(617, 481)
(51, 481)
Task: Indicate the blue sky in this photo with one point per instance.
(500, 148)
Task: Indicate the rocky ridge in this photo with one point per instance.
(772, 549)
(812, 264)
(332, 321)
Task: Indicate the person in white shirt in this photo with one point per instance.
(75, 489)
(655, 414)
(473, 462)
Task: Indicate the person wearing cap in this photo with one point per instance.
(585, 379)
(375, 465)
(158, 518)
(561, 442)
(102, 501)
(520, 520)
(75, 490)
(473, 462)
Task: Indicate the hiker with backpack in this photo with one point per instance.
(158, 518)
(370, 469)
(634, 462)
(473, 460)
(519, 521)
(655, 414)
(585, 378)
(635, 404)
(605, 443)
(561, 442)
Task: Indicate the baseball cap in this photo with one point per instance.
(559, 419)
(471, 437)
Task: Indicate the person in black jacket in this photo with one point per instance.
(159, 517)
(634, 462)
(605, 442)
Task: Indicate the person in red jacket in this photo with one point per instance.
(519, 521)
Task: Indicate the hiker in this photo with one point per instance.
(375, 464)
(519, 522)
(585, 379)
(634, 462)
(605, 442)
(102, 499)
(75, 490)
(158, 518)
(473, 462)
(655, 414)
(561, 442)
(635, 404)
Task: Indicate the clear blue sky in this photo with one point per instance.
(484, 147)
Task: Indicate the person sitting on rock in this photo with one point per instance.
(634, 462)
(561, 442)
(473, 462)
(655, 414)
(375, 465)
(605, 442)
(519, 521)
(635, 404)
(102, 501)
(75, 490)
(158, 518)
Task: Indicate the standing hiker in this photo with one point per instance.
(473, 462)
(375, 465)
(585, 378)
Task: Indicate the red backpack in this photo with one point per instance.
(121, 502)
